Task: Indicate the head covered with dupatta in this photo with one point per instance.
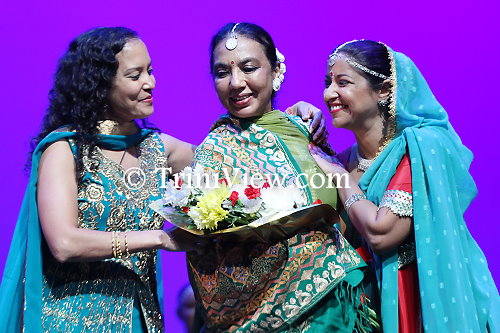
(456, 288)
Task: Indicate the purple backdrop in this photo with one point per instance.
(454, 45)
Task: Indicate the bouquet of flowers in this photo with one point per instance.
(203, 203)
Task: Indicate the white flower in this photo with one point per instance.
(282, 199)
(282, 69)
(176, 197)
(250, 205)
(195, 216)
(280, 56)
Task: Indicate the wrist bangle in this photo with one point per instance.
(352, 199)
(127, 252)
(113, 247)
(118, 246)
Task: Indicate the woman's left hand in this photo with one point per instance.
(307, 112)
(327, 162)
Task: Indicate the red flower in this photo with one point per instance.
(252, 192)
(178, 183)
(234, 197)
(317, 202)
(266, 185)
(185, 209)
(362, 298)
(223, 180)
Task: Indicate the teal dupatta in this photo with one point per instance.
(457, 291)
(21, 289)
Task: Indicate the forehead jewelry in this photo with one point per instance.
(232, 41)
(334, 56)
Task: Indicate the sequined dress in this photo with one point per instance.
(99, 296)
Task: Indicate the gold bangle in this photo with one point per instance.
(113, 237)
(127, 252)
(118, 247)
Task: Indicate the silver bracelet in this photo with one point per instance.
(352, 199)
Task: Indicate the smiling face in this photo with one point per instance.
(243, 78)
(349, 97)
(130, 96)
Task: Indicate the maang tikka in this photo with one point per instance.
(232, 42)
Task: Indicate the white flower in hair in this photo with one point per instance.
(282, 68)
(279, 80)
(280, 56)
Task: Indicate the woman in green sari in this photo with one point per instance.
(409, 189)
(310, 282)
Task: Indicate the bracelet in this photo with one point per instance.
(127, 252)
(113, 248)
(118, 247)
(352, 199)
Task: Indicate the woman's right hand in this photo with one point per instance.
(176, 239)
(309, 112)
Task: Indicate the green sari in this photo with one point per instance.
(310, 282)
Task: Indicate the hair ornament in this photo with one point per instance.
(337, 54)
(281, 77)
(232, 41)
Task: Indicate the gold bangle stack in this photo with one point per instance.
(116, 246)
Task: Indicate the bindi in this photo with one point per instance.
(232, 62)
(331, 74)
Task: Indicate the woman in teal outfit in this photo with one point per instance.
(409, 189)
(83, 255)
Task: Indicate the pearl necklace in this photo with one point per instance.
(363, 163)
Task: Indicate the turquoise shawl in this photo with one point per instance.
(456, 288)
(22, 280)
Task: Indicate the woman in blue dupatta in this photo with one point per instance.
(83, 255)
(409, 189)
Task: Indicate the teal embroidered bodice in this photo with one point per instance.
(99, 296)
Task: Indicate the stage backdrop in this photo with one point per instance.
(455, 45)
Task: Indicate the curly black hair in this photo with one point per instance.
(81, 86)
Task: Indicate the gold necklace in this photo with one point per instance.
(113, 127)
(108, 127)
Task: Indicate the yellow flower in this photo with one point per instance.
(209, 208)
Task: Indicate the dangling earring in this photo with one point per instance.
(276, 84)
(105, 109)
(383, 102)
